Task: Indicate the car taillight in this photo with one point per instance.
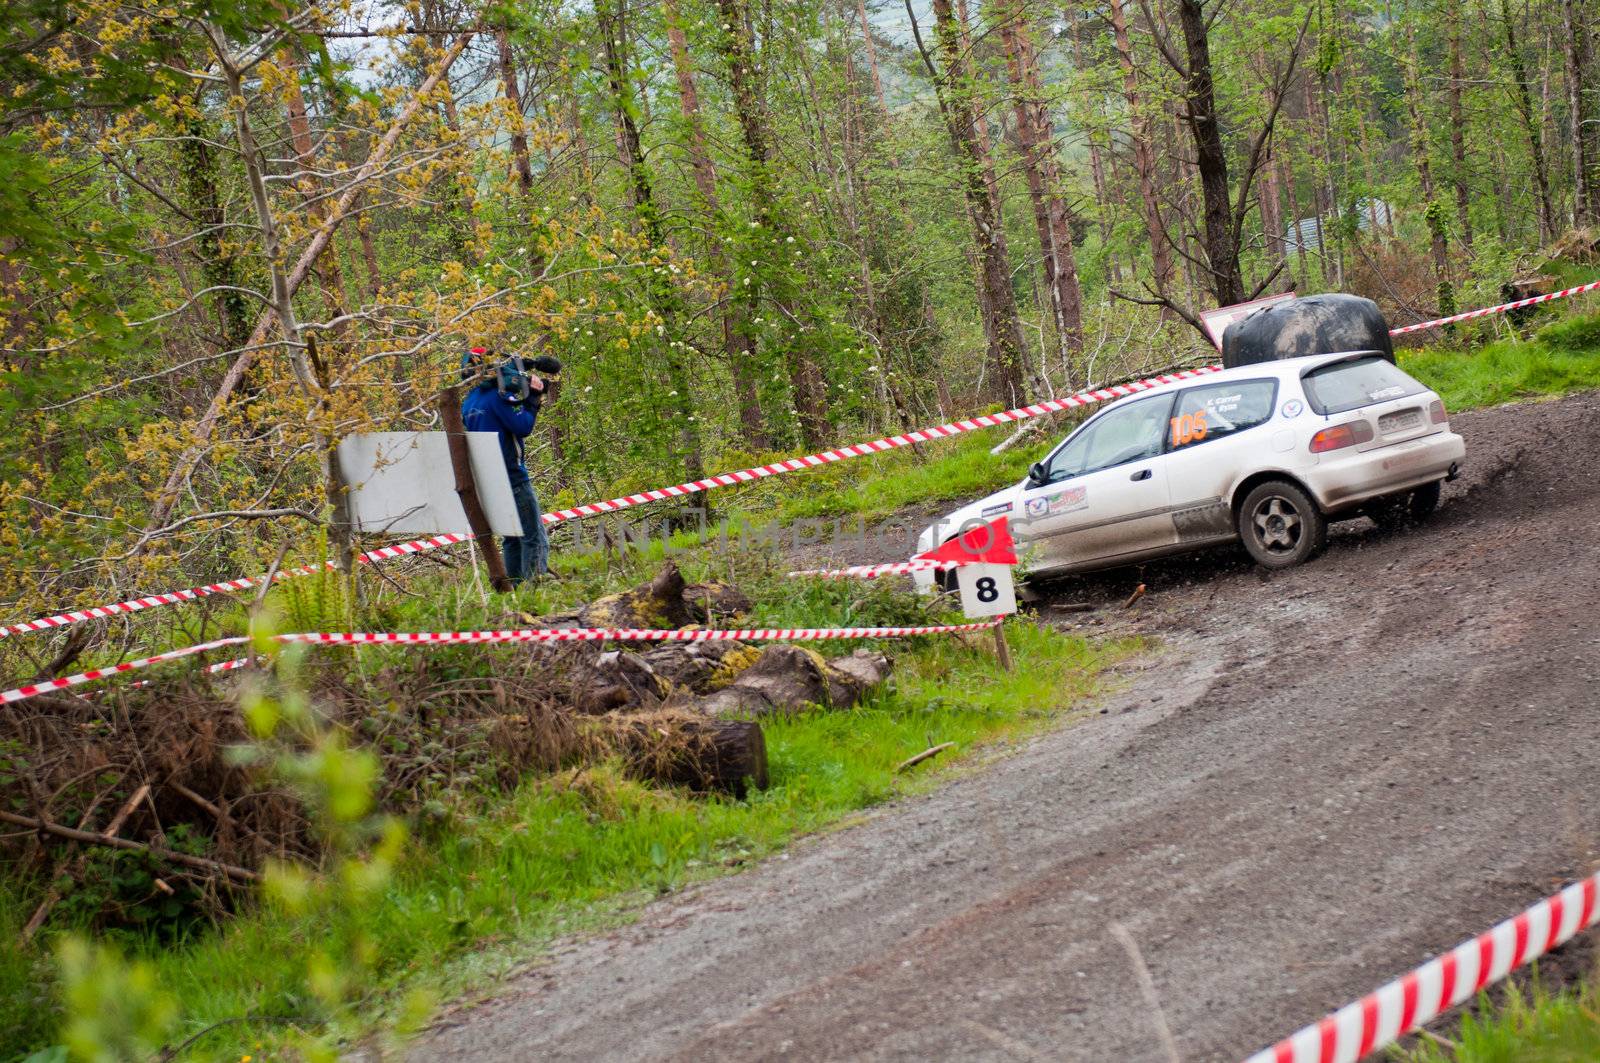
(1340, 436)
(1436, 412)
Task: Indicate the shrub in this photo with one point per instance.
(1580, 333)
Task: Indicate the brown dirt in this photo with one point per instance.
(1324, 777)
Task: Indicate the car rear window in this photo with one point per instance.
(1350, 385)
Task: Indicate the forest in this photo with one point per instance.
(235, 232)
(232, 233)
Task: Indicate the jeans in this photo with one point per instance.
(528, 554)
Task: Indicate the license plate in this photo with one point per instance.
(1400, 420)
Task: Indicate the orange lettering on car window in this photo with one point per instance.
(1188, 428)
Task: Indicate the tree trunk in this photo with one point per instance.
(1574, 48)
(369, 251)
(1286, 181)
(1225, 278)
(519, 134)
(663, 295)
(1530, 123)
(1458, 127)
(1043, 175)
(1271, 196)
(805, 375)
(1272, 210)
(872, 58)
(736, 341)
(221, 266)
(1144, 164)
(729, 756)
(997, 301)
(306, 181)
(169, 493)
(1419, 156)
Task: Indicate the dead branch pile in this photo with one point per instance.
(132, 804)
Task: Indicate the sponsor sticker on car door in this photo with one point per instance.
(1066, 500)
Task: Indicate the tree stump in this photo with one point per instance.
(657, 604)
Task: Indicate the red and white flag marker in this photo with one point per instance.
(1382, 1017)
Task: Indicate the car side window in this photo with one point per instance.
(1126, 433)
(1216, 411)
(1068, 461)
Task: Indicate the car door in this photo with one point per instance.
(1104, 493)
(1212, 444)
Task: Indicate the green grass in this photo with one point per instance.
(1526, 1027)
(961, 468)
(576, 852)
(583, 849)
(1560, 358)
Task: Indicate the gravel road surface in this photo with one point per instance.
(1322, 778)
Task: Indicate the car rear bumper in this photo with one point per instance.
(1340, 482)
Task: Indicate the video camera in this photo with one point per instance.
(513, 376)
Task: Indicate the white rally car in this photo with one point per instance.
(1267, 453)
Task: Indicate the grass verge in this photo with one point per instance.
(1560, 358)
(582, 849)
(1527, 1026)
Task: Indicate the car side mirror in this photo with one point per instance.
(1038, 475)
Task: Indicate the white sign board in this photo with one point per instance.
(1217, 321)
(986, 590)
(401, 483)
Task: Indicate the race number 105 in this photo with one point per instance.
(1188, 428)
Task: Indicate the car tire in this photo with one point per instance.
(1424, 500)
(1391, 512)
(1281, 525)
(1394, 512)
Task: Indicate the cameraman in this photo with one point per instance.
(506, 401)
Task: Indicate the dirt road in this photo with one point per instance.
(1325, 777)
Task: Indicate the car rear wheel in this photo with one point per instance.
(1425, 499)
(1281, 525)
(1397, 511)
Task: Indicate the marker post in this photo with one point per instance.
(986, 554)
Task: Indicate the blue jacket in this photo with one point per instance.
(485, 409)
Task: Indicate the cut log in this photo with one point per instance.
(618, 679)
(713, 602)
(783, 679)
(788, 679)
(657, 604)
(690, 665)
(680, 749)
(849, 678)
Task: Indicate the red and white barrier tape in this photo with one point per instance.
(440, 638)
(874, 571)
(730, 479)
(1502, 308)
(876, 446)
(135, 605)
(1383, 1017)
